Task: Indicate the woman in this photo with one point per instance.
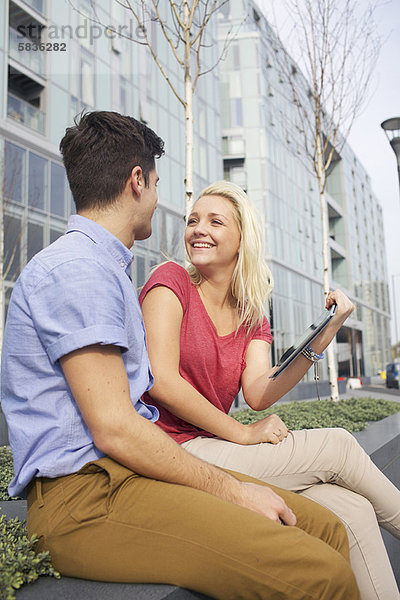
(207, 337)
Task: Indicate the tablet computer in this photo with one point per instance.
(310, 334)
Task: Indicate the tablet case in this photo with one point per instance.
(310, 334)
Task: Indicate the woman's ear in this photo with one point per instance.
(136, 180)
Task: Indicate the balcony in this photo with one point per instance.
(33, 60)
(25, 113)
(26, 9)
(233, 147)
(37, 5)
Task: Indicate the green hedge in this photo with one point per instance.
(19, 563)
(6, 472)
(352, 414)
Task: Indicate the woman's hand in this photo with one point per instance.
(270, 429)
(344, 305)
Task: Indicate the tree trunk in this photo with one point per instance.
(330, 355)
(188, 117)
(1, 275)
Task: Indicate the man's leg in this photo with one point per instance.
(106, 523)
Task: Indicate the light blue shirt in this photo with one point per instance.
(74, 293)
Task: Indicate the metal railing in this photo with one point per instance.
(38, 5)
(35, 60)
(25, 113)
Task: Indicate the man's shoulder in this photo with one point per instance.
(71, 246)
(57, 258)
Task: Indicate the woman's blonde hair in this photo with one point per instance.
(252, 280)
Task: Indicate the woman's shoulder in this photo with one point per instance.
(262, 331)
(171, 267)
(171, 275)
(170, 270)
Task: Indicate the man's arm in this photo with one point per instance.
(99, 383)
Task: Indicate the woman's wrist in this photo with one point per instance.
(244, 435)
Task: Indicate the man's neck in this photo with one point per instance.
(114, 221)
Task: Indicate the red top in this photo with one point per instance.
(211, 363)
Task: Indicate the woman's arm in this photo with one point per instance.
(162, 313)
(258, 389)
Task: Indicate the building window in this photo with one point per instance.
(14, 172)
(236, 112)
(37, 181)
(54, 235)
(35, 239)
(87, 79)
(140, 270)
(236, 56)
(57, 190)
(12, 245)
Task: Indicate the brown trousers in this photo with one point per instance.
(107, 523)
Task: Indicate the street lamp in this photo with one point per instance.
(391, 128)
(397, 339)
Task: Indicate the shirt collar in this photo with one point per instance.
(99, 235)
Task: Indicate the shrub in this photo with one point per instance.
(352, 414)
(19, 563)
(6, 472)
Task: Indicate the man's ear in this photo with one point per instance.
(136, 180)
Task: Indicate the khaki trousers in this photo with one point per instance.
(329, 467)
(107, 523)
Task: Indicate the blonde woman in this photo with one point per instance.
(208, 337)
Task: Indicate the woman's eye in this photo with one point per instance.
(216, 222)
(190, 221)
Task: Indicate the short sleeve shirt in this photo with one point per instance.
(74, 293)
(211, 363)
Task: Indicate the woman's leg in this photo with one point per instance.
(368, 555)
(307, 457)
(303, 462)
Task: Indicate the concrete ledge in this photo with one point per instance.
(380, 440)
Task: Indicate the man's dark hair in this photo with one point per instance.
(99, 153)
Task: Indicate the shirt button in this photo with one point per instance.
(122, 263)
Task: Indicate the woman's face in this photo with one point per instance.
(212, 236)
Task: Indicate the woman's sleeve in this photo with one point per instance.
(172, 276)
(263, 332)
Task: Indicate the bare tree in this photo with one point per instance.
(326, 70)
(184, 26)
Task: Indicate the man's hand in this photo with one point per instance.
(263, 500)
(270, 429)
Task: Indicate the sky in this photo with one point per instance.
(367, 138)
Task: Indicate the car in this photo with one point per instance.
(393, 374)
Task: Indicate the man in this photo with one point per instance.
(110, 495)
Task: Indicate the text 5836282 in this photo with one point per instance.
(42, 46)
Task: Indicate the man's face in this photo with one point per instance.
(147, 204)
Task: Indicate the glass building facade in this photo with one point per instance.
(264, 152)
(87, 68)
(239, 134)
